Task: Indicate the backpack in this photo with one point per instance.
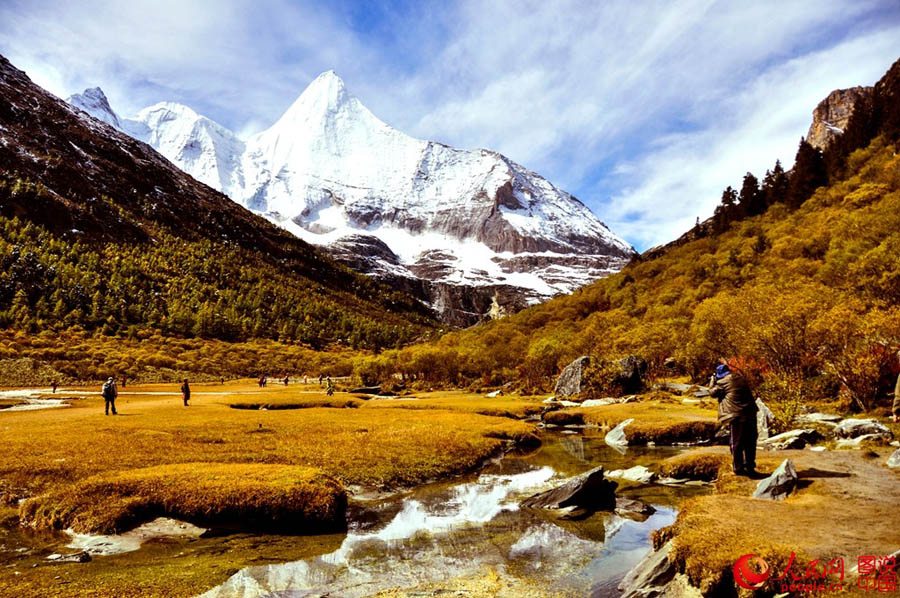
(107, 391)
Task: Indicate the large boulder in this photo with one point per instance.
(894, 460)
(589, 491)
(780, 484)
(650, 576)
(616, 437)
(851, 428)
(569, 382)
(633, 375)
(794, 439)
(764, 419)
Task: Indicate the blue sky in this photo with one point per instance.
(643, 110)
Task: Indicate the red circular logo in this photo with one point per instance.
(744, 574)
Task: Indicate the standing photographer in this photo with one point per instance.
(737, 407)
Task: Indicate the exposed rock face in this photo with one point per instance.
(590, 491)
(853, 428)
(831, 116)
(780, 484)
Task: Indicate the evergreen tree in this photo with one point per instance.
(808, 174)
(775, 185)
(751, 203)
(726, 211)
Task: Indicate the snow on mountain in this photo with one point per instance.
(94, 102)
(403, 209)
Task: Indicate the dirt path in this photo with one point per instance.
(845, 507)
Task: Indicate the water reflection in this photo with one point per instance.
(443, 532)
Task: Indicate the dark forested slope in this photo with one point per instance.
(98, 231)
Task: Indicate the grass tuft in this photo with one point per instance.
(256, 496)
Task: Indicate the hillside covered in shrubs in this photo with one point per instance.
(799, 286)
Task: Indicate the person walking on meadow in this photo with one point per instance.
(110, 393)
(737, 407)
(186, 393)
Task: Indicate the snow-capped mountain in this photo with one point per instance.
(470, 231)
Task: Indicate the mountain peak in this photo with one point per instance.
(93, 101)
(327, 88)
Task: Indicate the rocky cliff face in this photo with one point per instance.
(417, 214)
(831, 116)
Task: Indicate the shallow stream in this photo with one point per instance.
(443, 532)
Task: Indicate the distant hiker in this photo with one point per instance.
(110, 393)
(895, 409)
(223, 380)
(321, 377)
(261, 381)
(737, 407)
(54, 385)
(329, 389)
(185, 393)
(305, 379)
(287, 380)
(123, 381)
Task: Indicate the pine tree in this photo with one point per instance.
(808, 175)
(750, 198)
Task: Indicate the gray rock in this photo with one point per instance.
(650, 576)
(852, 428)
(569, 404)
(599, 402)
(77, 557)
(638, 473)
(569, 382)
(794, 439)
(894, 460)
(616, 436)
(633, 374)
(817, 418)
(589, 491)
(764, 419)
(855, 443)
(495, 394)
(633, 509)
(780, 484)
(549, 400)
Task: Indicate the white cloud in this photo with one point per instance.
(645, 111)
(682, 177)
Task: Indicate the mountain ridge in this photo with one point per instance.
(329, 171)
(103, 232)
